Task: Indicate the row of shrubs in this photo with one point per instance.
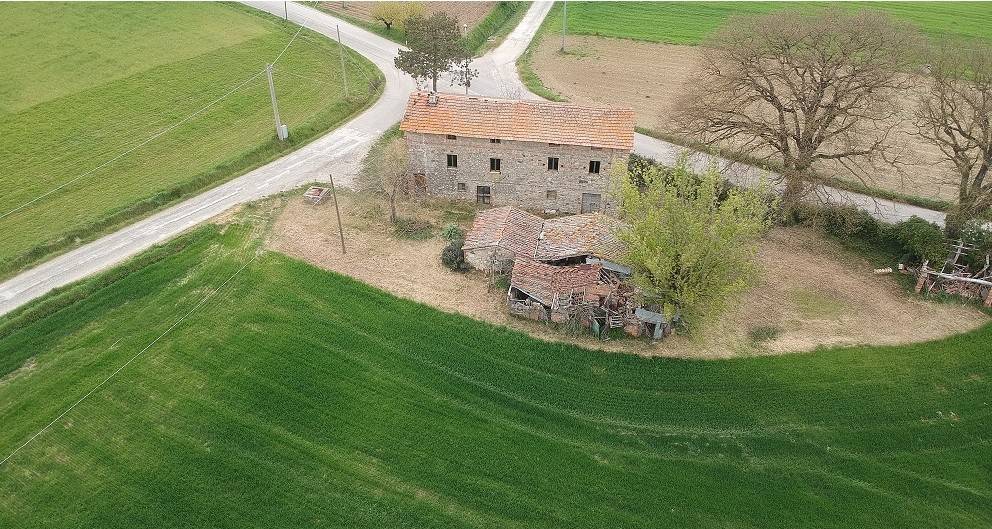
(911, 241)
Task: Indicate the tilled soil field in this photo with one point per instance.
(469, 13)
(650, 78)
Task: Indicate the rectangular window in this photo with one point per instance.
(551, 195)
(552, 163)
(461, 186)
(483, 195)
(591, 202)
(494, 165)
(596, 148)
(594, 167)
(451, 137)
(452, 160)
(494, 140)
(554, 145)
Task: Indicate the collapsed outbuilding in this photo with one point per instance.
(562, 270)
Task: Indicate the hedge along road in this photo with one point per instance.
(338, 153)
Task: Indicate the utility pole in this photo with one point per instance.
(564, 22)
(281, 132)
(337, 211)
(285, 6)
(344, 74)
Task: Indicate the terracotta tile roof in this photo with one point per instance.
(507, 227)
(574, 235)
(528, 235)
(510, 119)
(540, 280)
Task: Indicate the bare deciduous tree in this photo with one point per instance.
(385, 171)
(800, 87)
(390, 13)
(953, 114)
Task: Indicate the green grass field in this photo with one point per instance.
(87, 82)
(691, 22)
(299, 398)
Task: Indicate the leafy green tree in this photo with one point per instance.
(690, 242)
(435, 46)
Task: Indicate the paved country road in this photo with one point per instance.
(340, 152)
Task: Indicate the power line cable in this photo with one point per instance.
(132, 359)
(156, 135)
(132, 149)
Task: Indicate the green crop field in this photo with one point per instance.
(295, 397)
(86, 83)
(691, 22)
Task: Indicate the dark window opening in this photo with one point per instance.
(451, 137)
(552, 163)
(461, 186)
(494, 165)
(494, 140)
(551, 195)
(483, 195)
(554, 145)
(452, 160)
(594, 167)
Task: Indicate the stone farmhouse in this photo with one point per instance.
(539, 155)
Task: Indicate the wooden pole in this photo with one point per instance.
(564, 23)
(337, 211)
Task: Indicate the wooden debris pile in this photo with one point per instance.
(587, 295)
(956, 277)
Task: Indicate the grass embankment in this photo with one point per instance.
(96, 81)
(296, 397)
(496, 25)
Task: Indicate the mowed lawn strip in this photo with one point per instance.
(101, 79)
(691, 22)
(297, 397)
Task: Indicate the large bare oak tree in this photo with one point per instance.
(799, 87)
(953, 114)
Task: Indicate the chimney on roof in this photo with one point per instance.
(432, 99)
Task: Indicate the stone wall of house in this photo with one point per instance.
(523, 179)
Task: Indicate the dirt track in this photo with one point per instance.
(650, 77)
(812, 291)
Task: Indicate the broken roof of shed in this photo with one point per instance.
(540, 280)
(507, 227)
(528, 235)
(575, 235)
(513, 119)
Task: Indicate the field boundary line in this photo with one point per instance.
(136, 147)
(132, 359)
(160, 133)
